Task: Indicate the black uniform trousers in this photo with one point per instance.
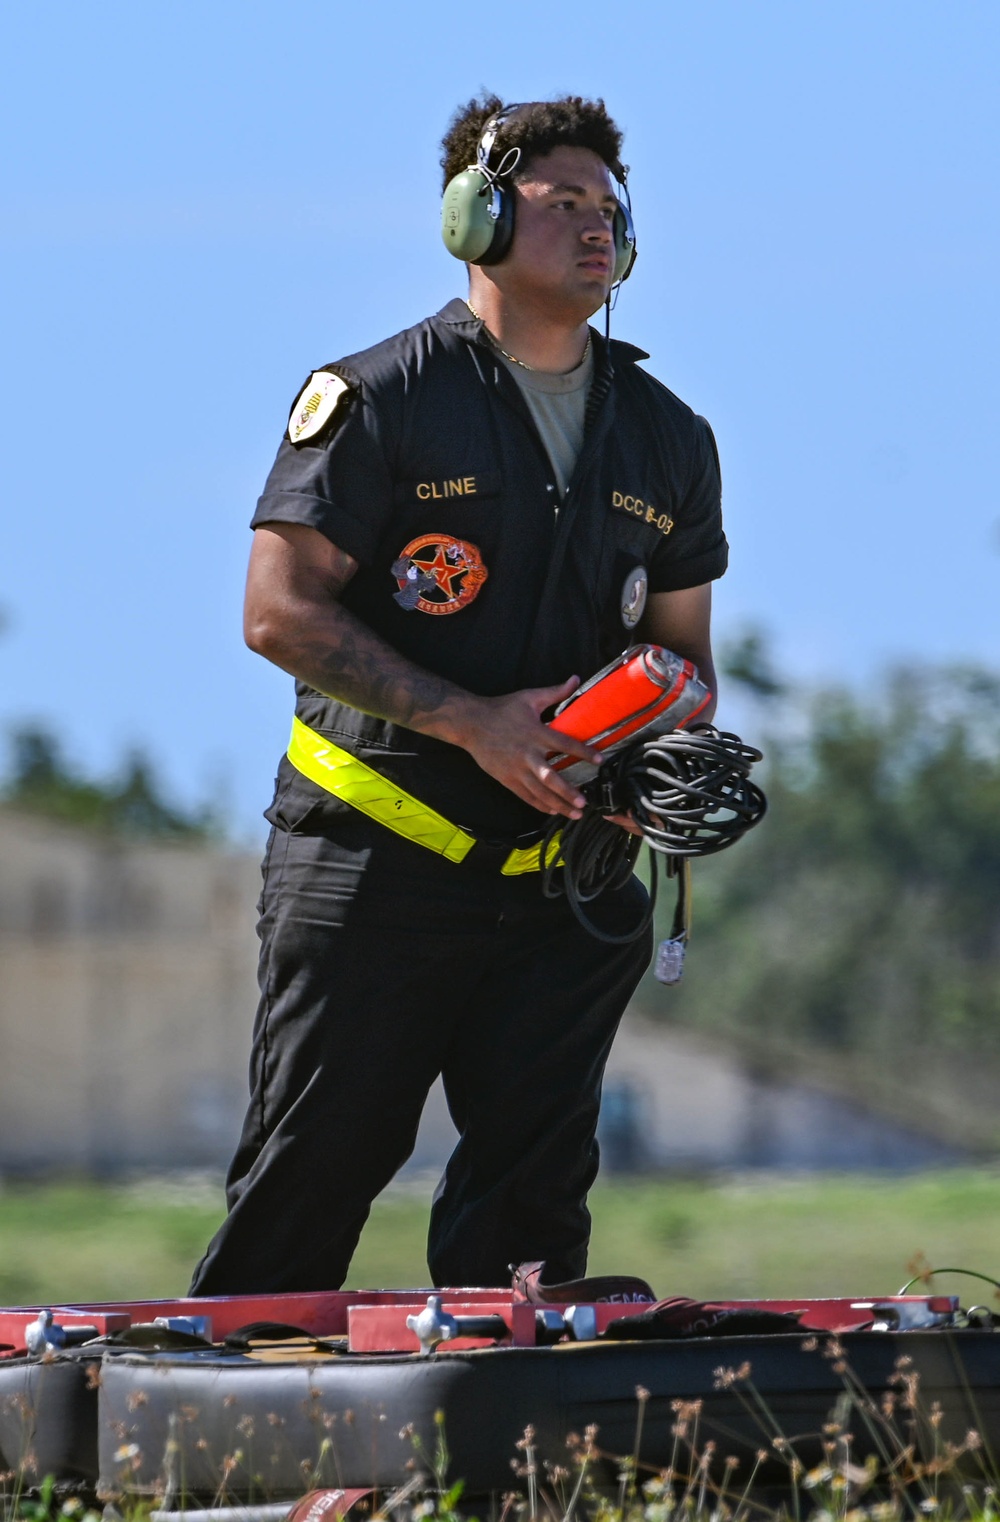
(382, 966)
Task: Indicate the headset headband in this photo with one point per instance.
(489, 135)
(491, 132)
(484, 148)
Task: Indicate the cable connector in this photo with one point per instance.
(689, 792)
(605, 793)
(668, 966)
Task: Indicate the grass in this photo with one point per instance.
(879, 1457)
(750, 1235)
(745, 1237)
(734, 1237)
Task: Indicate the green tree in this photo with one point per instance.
(746, 660)
(42, 782)
(864, 913)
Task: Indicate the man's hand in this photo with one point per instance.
(507, 738)
(626, 821)
(293, 617)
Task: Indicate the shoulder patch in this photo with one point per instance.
(315, 405)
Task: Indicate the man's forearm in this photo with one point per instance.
(293, 617)
(681, 621)
(340, 656)
(707, 673)
(344, 659)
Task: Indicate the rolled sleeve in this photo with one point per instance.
(695, 551)
(340, 485)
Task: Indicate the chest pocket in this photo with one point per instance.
(639, 520)
(634, 533)
(465, 488)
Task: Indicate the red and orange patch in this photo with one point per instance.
(437, 574)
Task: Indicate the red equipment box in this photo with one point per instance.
(374, 1321)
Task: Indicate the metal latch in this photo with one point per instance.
(46, 1335)
(577, 1322)
(432, 1326)
(905, 1315)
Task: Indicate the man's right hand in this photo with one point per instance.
(293, 617)
(506, 737)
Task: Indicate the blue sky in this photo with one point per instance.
(202, 203)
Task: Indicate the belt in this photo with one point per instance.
(336, 771)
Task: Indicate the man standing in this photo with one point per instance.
(461, 524)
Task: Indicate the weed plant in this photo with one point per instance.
(907, 1470)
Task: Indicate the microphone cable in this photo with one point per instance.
(690, 793)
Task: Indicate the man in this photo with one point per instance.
(461, 524)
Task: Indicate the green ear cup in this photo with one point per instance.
(625, 250)
(477, 223)
(467, 222)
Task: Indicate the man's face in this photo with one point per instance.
(563, 255)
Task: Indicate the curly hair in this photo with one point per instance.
(538, 127)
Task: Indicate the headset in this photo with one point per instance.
(477, 214)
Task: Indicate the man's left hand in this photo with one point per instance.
(626, 821)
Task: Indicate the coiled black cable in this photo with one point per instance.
(689, 792)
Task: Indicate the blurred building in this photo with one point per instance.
(127, 983)
(127, 994)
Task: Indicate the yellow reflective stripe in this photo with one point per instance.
(529, 858)
(340, 773)
(337, 771)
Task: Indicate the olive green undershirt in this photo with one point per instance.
(557, 404)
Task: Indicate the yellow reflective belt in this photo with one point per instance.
(340, 773)
(337, 771)
(529, 858)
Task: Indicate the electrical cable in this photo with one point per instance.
(928, 1273)
(689, 792)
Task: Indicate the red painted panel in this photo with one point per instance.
(383, 1329)
(321, 1312)
(375, 1320)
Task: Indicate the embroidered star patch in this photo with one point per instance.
(438, 574)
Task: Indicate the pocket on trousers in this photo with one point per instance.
(300, 807)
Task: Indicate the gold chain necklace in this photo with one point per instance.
(513, 357)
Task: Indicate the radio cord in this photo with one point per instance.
(689, 792)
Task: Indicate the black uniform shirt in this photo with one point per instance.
(432, 476)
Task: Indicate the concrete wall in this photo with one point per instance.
(676, 1100)
(127, 988)
(127, 995)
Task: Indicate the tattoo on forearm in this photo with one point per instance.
(356, 666)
